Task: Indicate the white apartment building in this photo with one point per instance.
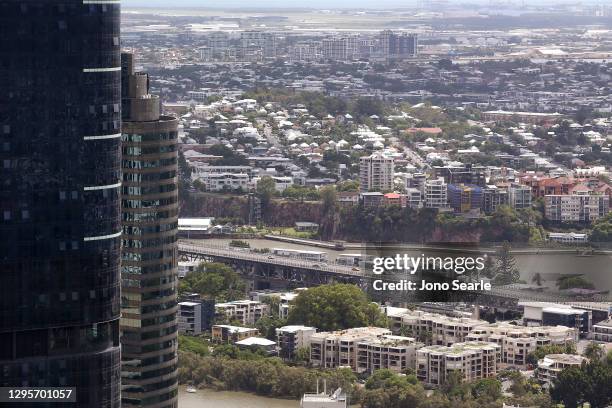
(339, 348)
(285, 304)
(436, 195)
(396, 353)
(578, 207)
(201, 170)
(247, 312)
(473, 359)
(602, 331)
(226, 181)
(223, 333)
(432, 328)
(376, 173)
(190, 318)
(305, 51)
(336, 49)
(552, 364)
(517, 342)
(284, 300)
(291, 338)
(261, 39)
(414, 198)
(568, 237)
(519, 196)
(219, 178)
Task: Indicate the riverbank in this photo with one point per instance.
(206, 398)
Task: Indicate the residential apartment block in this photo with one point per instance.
(221, 178)
(436, 193)
(190, 318)
(432, 328)
(577, 207)
(552, 364)
(602, 331)
(223, 333)
(492, 198)
(473, 359)
(376, 173)
(339, 348)
(291, 338)
(519, 196)
(247, 312)
(396, 353)
(464, 198)
(517, 342)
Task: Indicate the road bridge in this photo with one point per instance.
(271, 271)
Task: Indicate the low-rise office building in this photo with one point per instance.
(554, 314)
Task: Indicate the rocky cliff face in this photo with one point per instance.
(215, 205)
(439, 235)
(283, 213)
(287, 213)
(280, 213)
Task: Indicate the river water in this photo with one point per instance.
(550, 266)
(230, 399)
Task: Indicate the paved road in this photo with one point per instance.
(187, 247)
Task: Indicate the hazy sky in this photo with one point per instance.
(267, 3)
(294, 4)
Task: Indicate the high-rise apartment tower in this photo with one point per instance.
(376, 172)
(149, 258)
(60, 225)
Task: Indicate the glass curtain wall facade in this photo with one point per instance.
(149, 266)
(60, 225)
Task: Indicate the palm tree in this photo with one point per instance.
(537, 278)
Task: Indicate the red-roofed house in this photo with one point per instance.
(395, 199)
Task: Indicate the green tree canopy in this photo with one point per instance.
(590, 383)
(214, 280)
(506, 269)
(266, 188)
(335, 307)
(602, 229)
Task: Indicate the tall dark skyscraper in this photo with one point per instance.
(60, 169)
(149, 267)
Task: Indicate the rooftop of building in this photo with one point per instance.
(294, 328)
(569, 359)
(352, 334)
(234, 329)
(243, 302)
(468, 347)
(255, 341)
